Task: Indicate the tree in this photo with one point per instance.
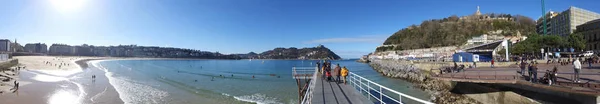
(576, 41)
(536, 42)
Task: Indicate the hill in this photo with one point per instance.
(319, 52)
(455, 31)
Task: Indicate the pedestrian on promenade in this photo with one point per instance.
(590, 63)
(319, 66)
(576, 69)
(523, 66)
(455, 67)
(344, 73)
(474, 64)
(529, 71)
(553, 74)
(492, 63)
(328, 76)
(535, 68)
(336, 73)
(323, 71)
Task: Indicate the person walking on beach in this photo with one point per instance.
(336, 72)
(576, 69)
(344, 73)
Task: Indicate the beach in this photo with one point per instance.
(60, 80)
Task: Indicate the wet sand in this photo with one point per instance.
(50, 85)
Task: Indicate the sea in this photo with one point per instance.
(221, 81)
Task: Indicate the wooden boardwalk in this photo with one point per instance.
(332, 93)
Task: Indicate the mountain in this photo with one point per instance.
(455, 31)
(319, 52)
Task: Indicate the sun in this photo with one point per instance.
(67, 5)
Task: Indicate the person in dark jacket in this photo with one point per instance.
(523, 66)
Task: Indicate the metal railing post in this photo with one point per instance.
(399, 97)
(369, 90)
(380, 95)
(381, 88)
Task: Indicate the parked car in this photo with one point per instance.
(586, 54)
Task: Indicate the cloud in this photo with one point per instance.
(361, 39)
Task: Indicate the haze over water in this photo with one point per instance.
(174, 81)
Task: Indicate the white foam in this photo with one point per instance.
(57, 76)
(258, 98)
(47, 78)
(62, 73)
(132, 92)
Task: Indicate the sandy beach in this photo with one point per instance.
(60, 80)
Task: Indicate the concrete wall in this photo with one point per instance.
(8, 63)
(548, 90)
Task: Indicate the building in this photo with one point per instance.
(484, 39)
(5, 45)
(591, 33)
(61, 49)
(564, 23)
(36, 48)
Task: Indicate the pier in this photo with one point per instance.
(312, 89)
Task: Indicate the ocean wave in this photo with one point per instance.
(258, 98)
(132, 92)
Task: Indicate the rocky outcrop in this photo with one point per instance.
(439, 90)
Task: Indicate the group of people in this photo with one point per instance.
(59, 65)
(551, 75)
(531, 70)
(338, 75)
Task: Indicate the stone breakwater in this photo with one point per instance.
(439, 90)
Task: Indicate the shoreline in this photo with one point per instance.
(439, 90)
(70, 84)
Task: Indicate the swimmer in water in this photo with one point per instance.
(252, 76)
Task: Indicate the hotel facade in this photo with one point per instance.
(566, 22)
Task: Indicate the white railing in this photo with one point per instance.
(364, 85)
(301, 73)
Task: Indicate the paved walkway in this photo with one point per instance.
(486, 74)
(333, 93)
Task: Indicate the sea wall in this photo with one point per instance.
(8, 63)
(439, 90)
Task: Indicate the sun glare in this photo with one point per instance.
(67, 5)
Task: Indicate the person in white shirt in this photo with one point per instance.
(576, 69)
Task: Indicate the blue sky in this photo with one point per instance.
(350, 28)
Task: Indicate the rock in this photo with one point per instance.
(439, 90)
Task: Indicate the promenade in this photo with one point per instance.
(589, 76)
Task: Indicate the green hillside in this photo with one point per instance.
(455, 31)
